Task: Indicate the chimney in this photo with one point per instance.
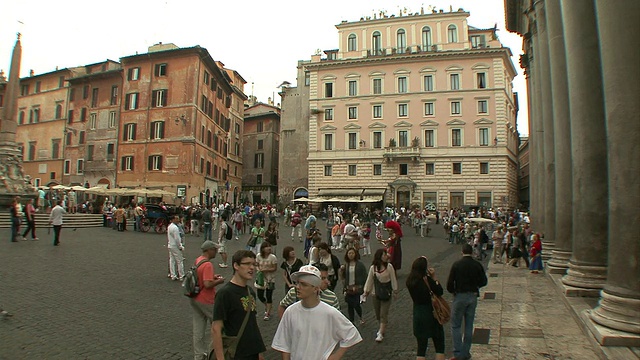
(31, 73)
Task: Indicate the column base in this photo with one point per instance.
(547, 249)
(618, 313)
(559, 262)
(587, 280)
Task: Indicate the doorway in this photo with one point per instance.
(457, 199)
(403, 197)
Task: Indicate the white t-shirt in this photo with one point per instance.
(312, 334)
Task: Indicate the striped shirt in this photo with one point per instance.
(327, 296)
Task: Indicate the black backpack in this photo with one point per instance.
(229, 233)
(190, 281)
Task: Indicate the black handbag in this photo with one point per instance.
(383, 290)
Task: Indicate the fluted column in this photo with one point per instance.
(562, 141)
(619, 27)
(536, 137)
(587, 267)
(548, 174)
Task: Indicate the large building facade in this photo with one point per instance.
(417, 109)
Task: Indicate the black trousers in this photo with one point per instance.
(31, 226)
(56, 234)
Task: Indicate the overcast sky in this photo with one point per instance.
(262, 40)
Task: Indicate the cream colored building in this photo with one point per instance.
(416, 110)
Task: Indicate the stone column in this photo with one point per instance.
(536, 138)
(587, 267)
(548, 172)
(562, 141)
(619, 28)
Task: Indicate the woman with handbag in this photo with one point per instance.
(265, 279)
(257, 236)
(354, 275)
(382, 283)
(421, 283)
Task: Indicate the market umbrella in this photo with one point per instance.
(78, 188)
(97, 190)
(302, 199)
(480, 220)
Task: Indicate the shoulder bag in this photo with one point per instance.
(230, 343)
(441, 308)
(383, 290)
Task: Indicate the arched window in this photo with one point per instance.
(401, 42)
(426, 38)
(452, 34)
(376, 43)
(352, 43)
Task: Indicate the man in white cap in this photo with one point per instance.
(311, 329)
(202, 304)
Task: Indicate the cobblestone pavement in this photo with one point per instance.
(104, 294)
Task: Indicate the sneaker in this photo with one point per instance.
(267, 317)
(173, 278)
(24, 238)
(223, 265)
(379, 337)
(5, 313)
(35, 239)
(362, 321)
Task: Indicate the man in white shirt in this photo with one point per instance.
(311, 329)
(55, 219)
(175, 250)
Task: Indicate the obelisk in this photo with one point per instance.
(12, 179)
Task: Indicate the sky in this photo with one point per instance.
(262, 40)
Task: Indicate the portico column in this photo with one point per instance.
(548, 172)
(536, 138)
(562, 141)
(587, 267)
(618, 25)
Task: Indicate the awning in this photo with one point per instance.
(326, 193)
(373, 195)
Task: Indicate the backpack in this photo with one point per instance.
(229, 233)
(190, 281)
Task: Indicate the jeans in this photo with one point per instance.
(15, 228)
(138, 223)
(464, 306)
(207, 231)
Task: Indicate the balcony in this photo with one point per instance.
(405, 152)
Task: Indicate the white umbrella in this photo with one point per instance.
(480, 220)
(97, 190)
(78, 188)
(61, 187)
(302, 199)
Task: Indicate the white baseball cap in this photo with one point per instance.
(309, 274)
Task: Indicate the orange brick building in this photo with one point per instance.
(174, 123)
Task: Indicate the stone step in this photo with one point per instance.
(70, 220)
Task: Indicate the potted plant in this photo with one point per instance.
(392, 142)
(415, 142)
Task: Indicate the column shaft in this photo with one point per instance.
(536, 137)
(562, 141)
(548, 172)
(587, 267)
(620, 300)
